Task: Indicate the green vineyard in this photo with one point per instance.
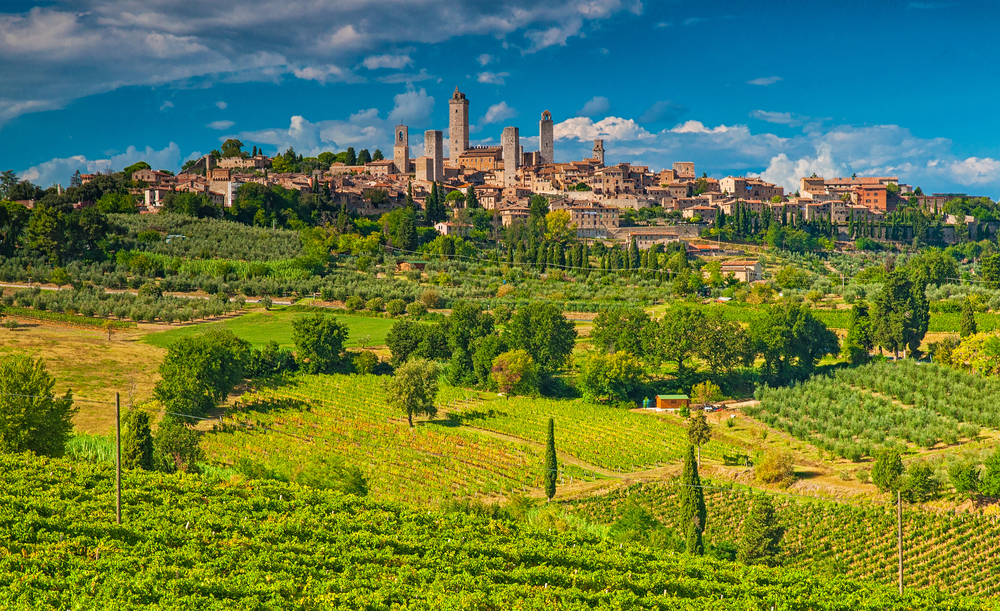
(188, 542)
(953, 553)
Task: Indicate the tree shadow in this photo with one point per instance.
(473, 415)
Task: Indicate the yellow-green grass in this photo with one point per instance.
(91, 366)
(260, 327)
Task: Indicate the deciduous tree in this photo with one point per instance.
(319, 343)
(413, 388)
(32, 417)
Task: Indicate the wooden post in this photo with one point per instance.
(899, 535)
(118, 458)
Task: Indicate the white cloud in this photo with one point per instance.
(395, 62)
(59, 170)
(764, 80)
(608, 128)
(221, 105)
(492, 78)
(694, 20)
(53, 54)
(497, 113)
(663, 24)
(779, 118)
(166, 105)
(220, 125)
(412, 107)
(697, 127)
(484, 59)
(597, 105)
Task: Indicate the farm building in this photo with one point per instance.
(672, 401)
(412, 264)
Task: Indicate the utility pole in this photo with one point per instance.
(899, 535)
(118, 458)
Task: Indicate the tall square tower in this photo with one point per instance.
(599, 151)
(401, 149)
(510, 140)
(434, 149)
(458, 126)
(546, 147)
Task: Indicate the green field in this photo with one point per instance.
(259, 327)
(191, 542)
(954, 553)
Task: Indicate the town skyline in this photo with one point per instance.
(756, 111)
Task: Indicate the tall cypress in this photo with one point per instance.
(759, 541)
(968, 319)
(551, 464)
(137, 440)
(693, 512)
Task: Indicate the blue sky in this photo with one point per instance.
(775, 88)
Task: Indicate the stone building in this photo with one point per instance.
(599, 151)
(751, 188)
(434, 150)
(401, 150)
(458, 125)
(510, 141)
(482, 158)
(546, 146)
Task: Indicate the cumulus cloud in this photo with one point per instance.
(608, 128)
(413, 106)
(497, 113)
(221, 105)
(492, 78)
(220, 125)
(396, 62)
(59, 170)
(484, 59)
(764, 80)
(697, 127)
(597, 105)
(53, 54)
(664, 111)
(166, 105)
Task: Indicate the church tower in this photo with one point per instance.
(401, 150)
(545, 145)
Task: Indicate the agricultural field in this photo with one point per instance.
(193, 542)
(259, 327)
(955, 553)
(855, 411)
(616, 439)
(298, 422)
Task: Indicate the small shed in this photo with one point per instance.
(672, 401)
(411, 264)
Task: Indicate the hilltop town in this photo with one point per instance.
(595, 194)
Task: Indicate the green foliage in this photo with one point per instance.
(964, 477)
(409, 339)
(791, 340)
(990, 269)
(198, 372)
(761, 534)
(790, 277)
(120, 203)
(176, 446)
(623, 329)
(551, 462)
(932, 267)
(775, 467)
(698, 432)
(677, 335)
(990, 484)
(541, 330)
(137, 440)
(968, 319)
(365, 362)
(515, 373)
(32, 418)
(413, 388)
(611, 377)
(269, 360)
(693, 514)
(900, 314)
(860, 340)
(319, 343)
(920, 484)
(887, 472)
(190, 204)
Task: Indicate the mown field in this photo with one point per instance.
(187, 542)
(260, 327)
(954, 553)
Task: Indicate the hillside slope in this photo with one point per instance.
(188, 543)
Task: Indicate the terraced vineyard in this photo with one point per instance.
(955, 553)
(291, 423)
(192, 543)
(613, 438)
(855, 411)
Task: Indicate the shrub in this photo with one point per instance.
(364, 362)
(775, 468)
(376, 304)
(353, 303)
(431, 299)
(416, 309)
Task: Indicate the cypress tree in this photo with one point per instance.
(471, 201)
(693, 513)
(759, 541)
(968, 319)
(137, 441)
(551, 465)
(409, 196)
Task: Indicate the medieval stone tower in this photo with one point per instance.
(510, 141)
(401, 150)
(599, 151)
(458, 126)
(434, 149)
(545, 142)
